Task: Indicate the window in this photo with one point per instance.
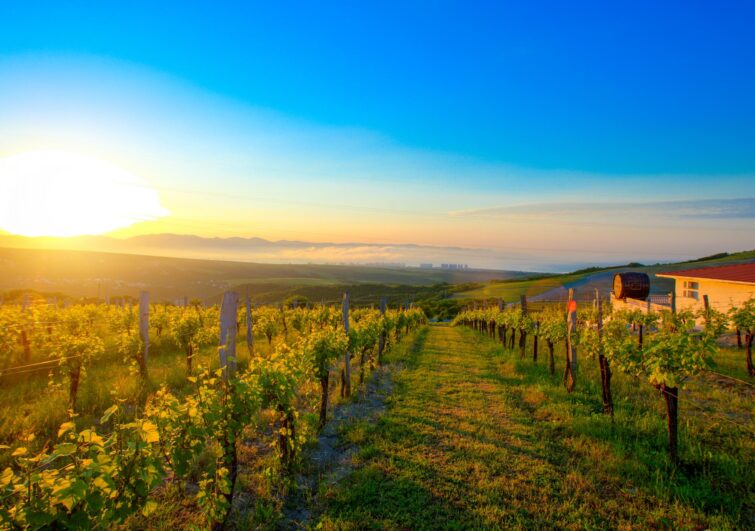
(691, 294)
(691, 290)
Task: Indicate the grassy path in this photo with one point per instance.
(471, 441)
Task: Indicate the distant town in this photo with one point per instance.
(460, 267)
(401, 265)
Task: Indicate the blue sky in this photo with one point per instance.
(418, 111)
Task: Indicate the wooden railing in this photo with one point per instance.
(654, 302)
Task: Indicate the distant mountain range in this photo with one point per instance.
(252, 249)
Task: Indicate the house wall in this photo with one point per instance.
(722, 295)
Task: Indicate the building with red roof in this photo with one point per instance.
(725, 286)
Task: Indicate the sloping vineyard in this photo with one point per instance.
(665, 348)
(187, 438)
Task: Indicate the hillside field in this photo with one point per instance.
(98, 275)
(476, 438)
(556, 286)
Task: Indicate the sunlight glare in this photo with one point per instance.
(56, 193)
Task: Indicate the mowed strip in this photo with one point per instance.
(462, 445)
(454, 450)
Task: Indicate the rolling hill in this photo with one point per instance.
(555, 287)
(101, 274)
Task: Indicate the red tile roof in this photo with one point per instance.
(744, 273)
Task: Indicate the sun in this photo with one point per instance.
(58, 193)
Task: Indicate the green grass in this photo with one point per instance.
(29, 404)
(475, 437)
(511, 290)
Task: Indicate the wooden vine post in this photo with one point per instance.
(605, 369)
(381, 340)
(26, 344)
(25, 341)
(571, 349)
(346, 375)
(282, 310)
(227, 351)
(406, 331)
(522, 330)
(671, 397)
(501, 328)
(249, 328)
(228, 316)
(144, 332)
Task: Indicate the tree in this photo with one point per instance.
(74, 344)
(266, 323)
(320, 349)
(526, 326)
(596, 339)
(190, 333)
(125, 324)
(553, 330)
(159, 318)
(363, 336)
(743, 318)
(668, 358)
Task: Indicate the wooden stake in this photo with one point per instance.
(228, 316)
(605, 368)
(381, 342)
(571, 349)
(144, 328)
(523, 332)
(347, 357)
(249, 327)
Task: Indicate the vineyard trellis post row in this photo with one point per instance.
(144, 332)
(605, 369)
(523, 329)
(570, 372)
(228, 316)
(347, 356)
(383, 334)
(249, 333)
(706, 305)
(144, 329)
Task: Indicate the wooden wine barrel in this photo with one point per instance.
(631, 285)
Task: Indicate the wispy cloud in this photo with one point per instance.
(741, 208)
